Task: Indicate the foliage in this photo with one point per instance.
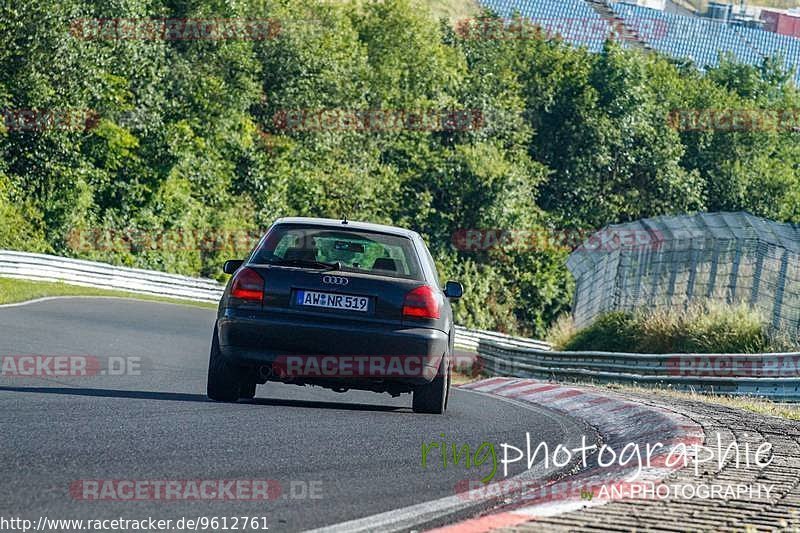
(184, 140)
(699, 328)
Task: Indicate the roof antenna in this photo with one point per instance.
(344, 220)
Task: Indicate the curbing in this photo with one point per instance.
(738, 510)
(617, 419)
(691, 420)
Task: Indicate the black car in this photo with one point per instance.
(340, 304)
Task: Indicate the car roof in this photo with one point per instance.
(336, 223)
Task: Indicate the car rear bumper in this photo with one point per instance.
(308, 349)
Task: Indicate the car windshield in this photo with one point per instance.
(350, 250)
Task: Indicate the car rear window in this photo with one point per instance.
(356, 250)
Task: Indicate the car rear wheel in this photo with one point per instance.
(223, 378)
(247, 390)
(432, 397)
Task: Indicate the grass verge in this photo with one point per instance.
(17, 290)
(459, 377)
(701, 327)
(756, 405)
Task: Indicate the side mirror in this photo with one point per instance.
(453, 290)
(232, 266)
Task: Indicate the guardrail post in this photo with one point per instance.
(712, 274)
(694, 252)
(779, 290)
(757, 275)
(734, 277)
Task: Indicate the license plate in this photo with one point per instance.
(333, 301)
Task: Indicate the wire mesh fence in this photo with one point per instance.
(669, 261)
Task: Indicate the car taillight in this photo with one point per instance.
(248, 285)
(422, 302)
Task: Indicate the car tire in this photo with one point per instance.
(431, 398)
(247, 390)
(223, 378)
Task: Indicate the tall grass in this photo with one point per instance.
(698, 328)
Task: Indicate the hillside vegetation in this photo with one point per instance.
(189, 142)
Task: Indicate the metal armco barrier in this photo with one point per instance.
(41, 267)
(470, 339)
(774, 376)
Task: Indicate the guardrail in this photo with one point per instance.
(774, 376)
(470, 339)
(41, 267)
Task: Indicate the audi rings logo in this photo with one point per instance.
(335, 280)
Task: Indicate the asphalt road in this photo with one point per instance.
(356, 453)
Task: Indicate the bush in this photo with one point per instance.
(699, 328)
